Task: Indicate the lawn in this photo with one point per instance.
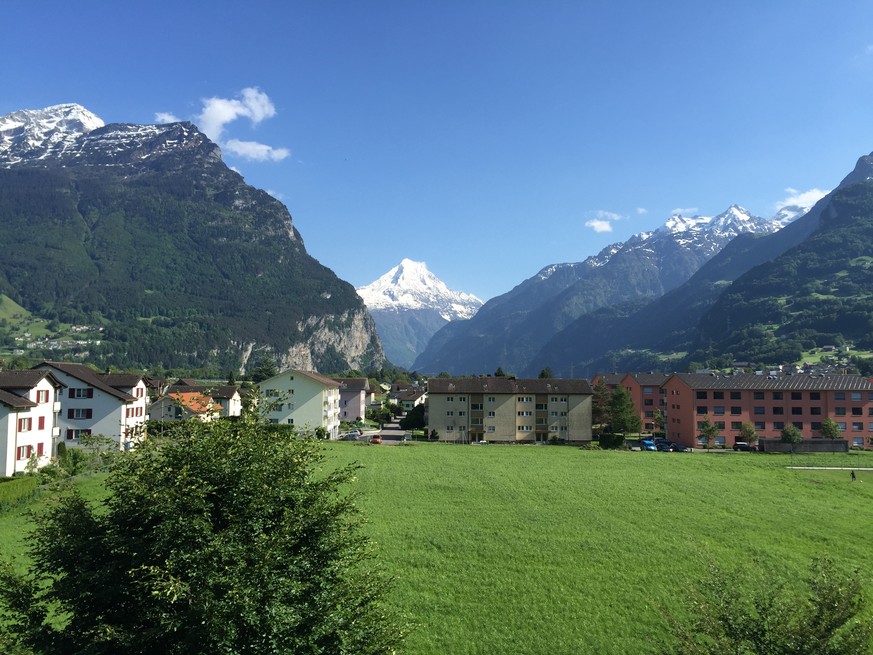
(549, 549)
(525, 549)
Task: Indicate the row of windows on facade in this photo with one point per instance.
(780, 395)
(520, 428)
(857, 426)
(462, 413)
(777, 411)
(520, 399)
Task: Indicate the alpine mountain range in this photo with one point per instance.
(144, 231)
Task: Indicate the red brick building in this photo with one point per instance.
(645, 389)
(769, 402)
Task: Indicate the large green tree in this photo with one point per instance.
(730, 615)
(226, 538)
(623, 416)
(830, 429)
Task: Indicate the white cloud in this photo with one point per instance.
(800, 198)
(217, 114)
(685, 211)
(642, 210)
(603, 220)
(599, 225)
(166, 117)
(255, 151)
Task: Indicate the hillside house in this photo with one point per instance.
(355, 395)
(28, 419)
(510, 410)
(182, 405)
(227, 397)
(114, 405)
(305, 399)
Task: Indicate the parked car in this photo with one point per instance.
(647, 444)
(664, 446)
(348, 436)
(742, 445)
(377, 439)
(678, 448)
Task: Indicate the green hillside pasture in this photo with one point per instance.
(531, 549)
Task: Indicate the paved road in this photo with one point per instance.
(391, 434)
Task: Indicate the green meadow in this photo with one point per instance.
(549, 549)
(526, 549)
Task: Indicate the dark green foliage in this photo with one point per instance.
(623, 416)
(226, 538)
(600, 403)
(414, 419)
(707, 431)
(728, 618)
(264, 370)
(830, 429)
(611, 440)
(790, 434)
(182, 267)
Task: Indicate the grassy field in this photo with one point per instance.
(526, 549)
(557, 550)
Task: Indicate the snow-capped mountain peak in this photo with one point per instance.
(42, 133)
(410, 285)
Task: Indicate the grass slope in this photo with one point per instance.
(557, 550)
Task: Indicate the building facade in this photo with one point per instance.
(112, 405)
(769, 403)
(304, 399)
(509, 410)
(354, 397)
(29, 411)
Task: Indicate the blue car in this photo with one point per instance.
(647, 444)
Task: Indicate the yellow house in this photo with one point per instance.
(304, 399)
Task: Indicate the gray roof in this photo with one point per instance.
(26, 379)
(799, 381)
(353, 384)
(650, 379)
(14, 400)
(611, 378)
(88, 376)
(508, 385)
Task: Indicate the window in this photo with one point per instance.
(796, 395)
(542, 407)
(701, 395)
(23, 452)
(857, 427)
(476, 407)
(796, 411)
(648, 402)
(815, 395)
(798, 424)
(778, 411)
(81, 392)
(759, 410)
(40, 423)
(815, 411)
(758, 395)
(553, 428)
(563, 413)
(720, 441)
(702, 409)
(759, 425)
(736, 411)
(25, 424)
(840, 411)
(525, 428)
(857, 411)
(450, 399)
(778, 425)
(290, 421)
(718, 395)
(462, 413)
(450, 428)
(462, 428)
(718, 410)
(542, 421)
(719, 424)
(491, 414)
(839, 395)
(42, 396)
(650, 414)
(490, 428)
(736, 425)
(777, 395)
(272, 393)
(79, 413)
(841, 425)
(856, 395)
(525, 413)
(40, 449)
(462, 399)
(476, 421)
(815, 425)
(553, 413)
(647, 390)
(492, 399)
(75, 433)
(736, 395)
(525, 399)
(450, 413)
(562, 399)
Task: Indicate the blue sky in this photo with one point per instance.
(488, 139)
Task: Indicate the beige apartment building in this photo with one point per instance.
(509, 410)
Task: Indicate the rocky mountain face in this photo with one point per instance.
(144, 231)
(510, 331)
(409, 304)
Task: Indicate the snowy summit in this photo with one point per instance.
(409, 285)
